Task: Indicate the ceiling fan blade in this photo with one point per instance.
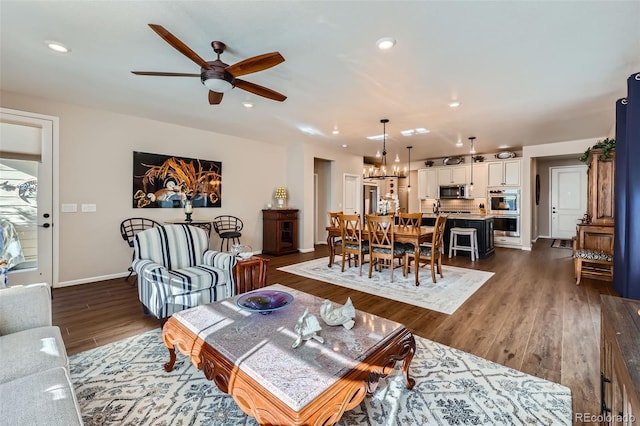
(165, 74)
(214, 97)
(179, 46)
(259, 90)
(255, 64)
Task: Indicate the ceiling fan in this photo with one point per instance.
(217, 76)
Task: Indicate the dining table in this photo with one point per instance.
(401, 234)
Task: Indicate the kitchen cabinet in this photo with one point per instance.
(453, 175)
(279, 231)
(428, 184)
(479, 180)
(619, 360)
(484, 227)
(504, 173)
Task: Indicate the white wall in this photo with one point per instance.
(95, 166)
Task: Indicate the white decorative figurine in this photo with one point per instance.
(306, 328)
(338, 315)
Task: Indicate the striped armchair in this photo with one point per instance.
(176, 270)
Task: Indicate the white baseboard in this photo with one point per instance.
(306, 250)
(91, 279)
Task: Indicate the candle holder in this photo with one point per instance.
(188, 210)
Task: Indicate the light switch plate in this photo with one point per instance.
(69, 208)
(88, 208)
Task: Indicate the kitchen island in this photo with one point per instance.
(482, 223)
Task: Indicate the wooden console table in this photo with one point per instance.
(251, 274)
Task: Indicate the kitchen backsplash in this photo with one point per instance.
(472, 206)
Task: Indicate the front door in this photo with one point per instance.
(26, 195)
(568, 199)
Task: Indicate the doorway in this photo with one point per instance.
(26, 195)
(568, 199)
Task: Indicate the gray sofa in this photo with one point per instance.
(35, 385)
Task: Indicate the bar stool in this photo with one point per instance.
(454, 246)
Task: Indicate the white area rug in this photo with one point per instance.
(445, 296)
(124, 383)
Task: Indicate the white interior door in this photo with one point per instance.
(568, 199)
(351, 194)
(26, 195)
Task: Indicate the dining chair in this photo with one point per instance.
(409, 221)
(352, 241)
(334, 241)
(431, 254)
(383, 249)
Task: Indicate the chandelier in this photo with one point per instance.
(381, 172)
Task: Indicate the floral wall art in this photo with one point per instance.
(162, 181)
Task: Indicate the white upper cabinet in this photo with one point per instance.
(453, 175)
(428, 183)
(504, 173)
(479, 180)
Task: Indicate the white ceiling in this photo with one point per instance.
(526, 72)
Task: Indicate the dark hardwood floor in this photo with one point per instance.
(529, 316)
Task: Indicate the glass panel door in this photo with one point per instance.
(26, 197)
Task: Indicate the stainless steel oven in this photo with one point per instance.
(504, 201)
(506, 225)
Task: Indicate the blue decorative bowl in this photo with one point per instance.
(264, 301)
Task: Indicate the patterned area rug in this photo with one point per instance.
(565, 244)
(123, 383)
(445, 296)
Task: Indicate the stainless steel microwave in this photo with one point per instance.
(455, 191)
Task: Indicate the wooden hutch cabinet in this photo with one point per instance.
(600, 184)
(279, 231)
(620, 361)
(598, 233)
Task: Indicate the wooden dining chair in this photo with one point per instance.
(409, 221)
(383, 249)
(334, 241)
(429, 254)
(353, 245)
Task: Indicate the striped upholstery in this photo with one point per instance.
(176, 270)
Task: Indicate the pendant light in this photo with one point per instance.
(381, 173)
(472, 151)
(409, 171)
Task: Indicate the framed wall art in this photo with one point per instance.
(163, 181)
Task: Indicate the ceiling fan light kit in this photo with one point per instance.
(217, 76)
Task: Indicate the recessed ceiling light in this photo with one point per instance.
(504, 147)
(335, 130)
(344, 145)
(422, 130)
(386, 43)
(247, 104)
(454, 104)
(459, 143)
(57, 47)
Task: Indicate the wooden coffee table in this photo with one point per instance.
(249, 356)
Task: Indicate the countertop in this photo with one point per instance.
(473, 216)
